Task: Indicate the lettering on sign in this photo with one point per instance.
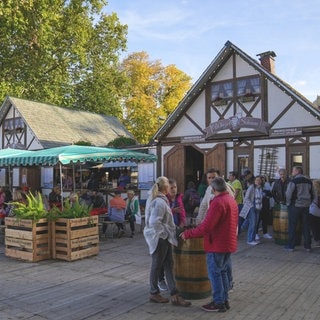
(235, 123)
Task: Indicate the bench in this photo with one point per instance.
(113, 225)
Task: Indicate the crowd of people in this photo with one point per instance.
(218, 211)
(225, 209)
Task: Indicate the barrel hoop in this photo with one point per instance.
(188, 279)
(195, 252)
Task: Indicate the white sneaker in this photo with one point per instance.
(257, 237)
(162, 285)
(253, 243)
(267, 236)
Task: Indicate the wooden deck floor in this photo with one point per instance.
(269, 284)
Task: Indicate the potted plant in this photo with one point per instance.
(75, 234)
(27, 235)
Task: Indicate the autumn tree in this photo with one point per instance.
(153, 92)
(64, 52)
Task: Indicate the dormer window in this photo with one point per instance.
(245, 89)
(13, 125)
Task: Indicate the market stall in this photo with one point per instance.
(65, 165)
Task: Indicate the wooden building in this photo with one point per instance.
(33, 125)
(239, 115)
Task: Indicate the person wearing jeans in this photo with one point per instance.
(253, 200)
(219, 230)
(253, 217)
(217, 264)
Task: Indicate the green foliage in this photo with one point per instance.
(121, 142)
(70, 210)
(83, 143)
(153, 93)
(62, 52)
(34, 209)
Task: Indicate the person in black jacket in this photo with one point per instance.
(191, 200)
(299, 196)
(279, 187)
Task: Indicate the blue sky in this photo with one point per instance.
(190, 33)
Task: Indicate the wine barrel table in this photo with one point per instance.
(190, 269)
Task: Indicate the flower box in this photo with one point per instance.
(220, 102)
(75, 238)
(28, 240)
(247, 98)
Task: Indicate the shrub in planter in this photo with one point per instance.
(27, 234)
(75, 233)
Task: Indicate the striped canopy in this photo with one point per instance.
(72, 154)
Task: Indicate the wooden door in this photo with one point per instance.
(216, 158)
(31, 177)
(298, 155)
(174, 166)
(243, 157)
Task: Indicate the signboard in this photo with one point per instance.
(286, 132)
(235, 123)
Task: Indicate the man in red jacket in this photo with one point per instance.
(219, 230)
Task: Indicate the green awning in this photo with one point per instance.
(73, 154)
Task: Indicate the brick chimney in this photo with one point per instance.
(267, 60)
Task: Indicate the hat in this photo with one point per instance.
(246, 172)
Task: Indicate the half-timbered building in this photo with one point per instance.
(31, 125)
(239, 115)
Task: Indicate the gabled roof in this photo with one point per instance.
(227, 51)
(55, 126)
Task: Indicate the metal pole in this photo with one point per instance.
(61, 187)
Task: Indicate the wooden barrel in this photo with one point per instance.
(190, 268)
(280, 225)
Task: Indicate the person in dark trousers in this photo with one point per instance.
(299, 196)
(219, 230)
(160, 235)
(133, 209)
(279, 187)
(314, 216)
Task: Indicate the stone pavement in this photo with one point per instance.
(270, 284)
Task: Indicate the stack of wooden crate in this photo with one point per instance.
(28, 240)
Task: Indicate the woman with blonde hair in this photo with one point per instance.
(314, 216)
(160, 235)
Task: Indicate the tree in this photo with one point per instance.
(121, 142)
(153, 92)
(64, 52)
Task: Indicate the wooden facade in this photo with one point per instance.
(239, 115)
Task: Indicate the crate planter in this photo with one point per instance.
(28, 239)
(76, 238)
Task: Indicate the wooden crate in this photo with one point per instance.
(74, 239)
(28, 240)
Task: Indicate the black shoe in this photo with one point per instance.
(212, 307)
(227, 305)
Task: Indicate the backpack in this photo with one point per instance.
(194, 198)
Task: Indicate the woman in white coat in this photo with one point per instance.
(160, 235)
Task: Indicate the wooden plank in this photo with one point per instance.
(27, 240)
(85, 241)
(79, 235)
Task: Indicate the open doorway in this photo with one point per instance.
(193, 166)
